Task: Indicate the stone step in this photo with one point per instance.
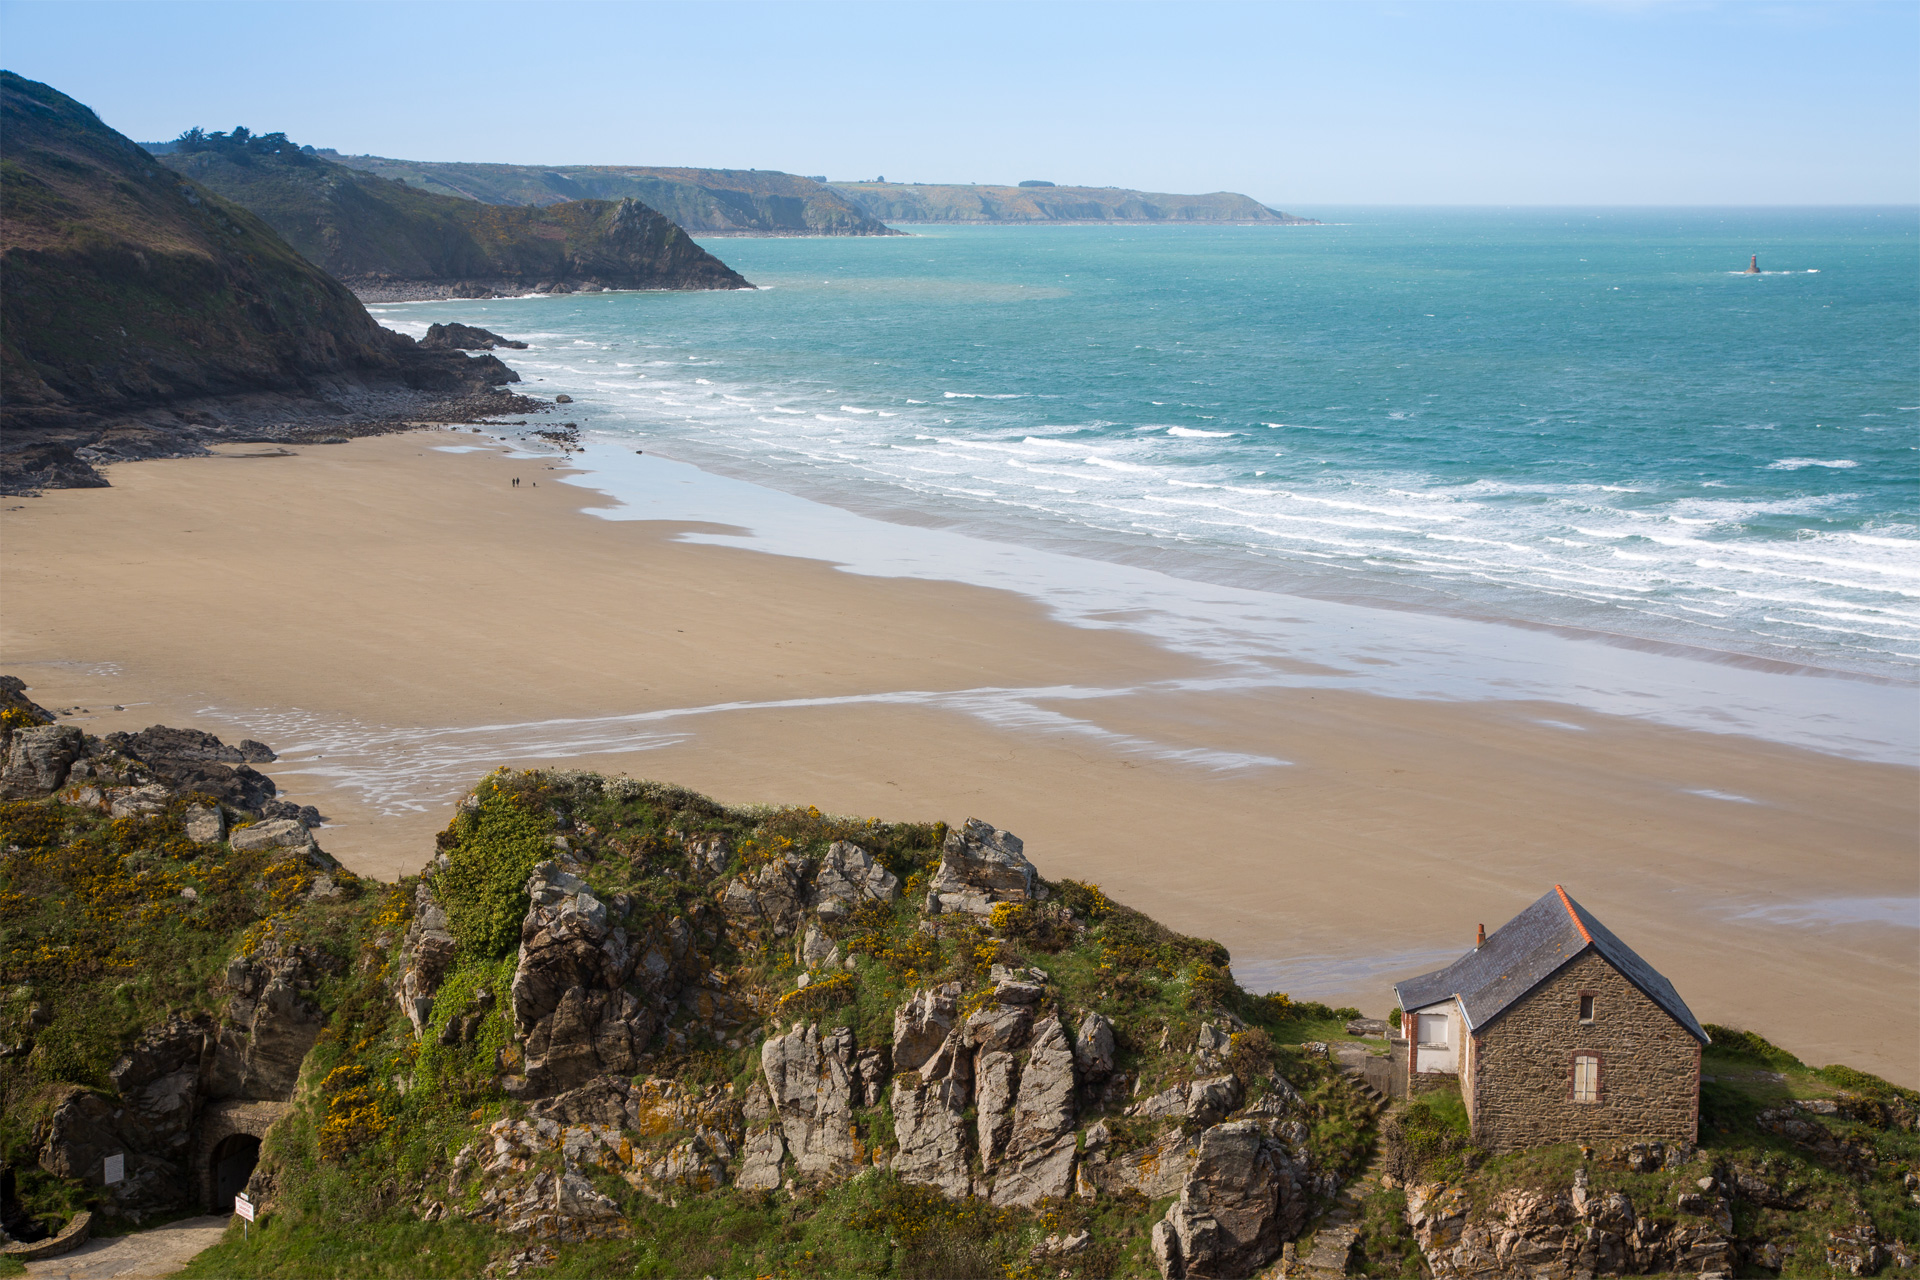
(1332, 1250)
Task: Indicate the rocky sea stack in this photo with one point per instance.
(617, 1028)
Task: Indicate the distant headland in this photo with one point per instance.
(1038, 201)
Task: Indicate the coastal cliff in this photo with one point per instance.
(1035, 202)
(143, 314)
(707, 202)
(616, 1027)
(390, 241)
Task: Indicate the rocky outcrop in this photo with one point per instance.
(160, 1085)
(929, 1119)
(1094, 1051)
(1527, 1230)
(426, 955)
(38, 759)
(848, 876)
(190, 760)
(769, 899)
(1198, 1102)
(1040, 1151)
(271, 1019)
(811, 1083)
(922, 1023)
(1158, 1169)
(980, 866)
(1014, 1065)
(466, 337)
(571, 1010)
(1241, 1200)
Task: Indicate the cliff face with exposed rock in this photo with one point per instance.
(622, 1028)
(390, 241)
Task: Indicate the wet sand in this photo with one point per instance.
(397, 620)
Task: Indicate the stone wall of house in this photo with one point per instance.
(1523, 1066)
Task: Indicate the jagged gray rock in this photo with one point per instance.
(1093, 1049)
(771, 898)
(570, 1010)
(37, 760)
(1040, 1150)
(994, 1074)
(811, 1086)
(270, 1021)
(760, 1171)
(425, 957)
(1236, 1207)
(1159, 1169)
(929, 1122)
(848, 876)
(981, 865)
(921, 1024)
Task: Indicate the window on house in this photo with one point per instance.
(1433, 1030)
(1586, 1078)
(1586, 1008)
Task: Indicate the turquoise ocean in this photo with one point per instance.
(1584, 420)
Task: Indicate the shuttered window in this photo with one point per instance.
(1586, 1078)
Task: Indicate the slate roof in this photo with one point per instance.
(1529, 949)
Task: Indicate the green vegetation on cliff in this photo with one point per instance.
(371, 231)
(940, 202)
(618, 1029)
(704, 201)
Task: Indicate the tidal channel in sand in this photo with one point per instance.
(396, 619)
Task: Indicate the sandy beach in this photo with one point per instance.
(396, 620)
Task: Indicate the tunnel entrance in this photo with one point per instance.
(232, 1164)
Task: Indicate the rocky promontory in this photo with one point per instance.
(617, 1028)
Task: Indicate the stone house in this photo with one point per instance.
(1557, 1032)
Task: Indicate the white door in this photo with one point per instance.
(1434, 1051)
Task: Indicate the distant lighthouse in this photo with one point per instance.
(1753, 267)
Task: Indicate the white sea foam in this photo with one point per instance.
(1795, 464)
(1193, 432)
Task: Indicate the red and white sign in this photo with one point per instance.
(243, 1207)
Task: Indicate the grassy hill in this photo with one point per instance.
(704, 201)
(387, 239)
(934, 202)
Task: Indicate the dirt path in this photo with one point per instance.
(144, 1255)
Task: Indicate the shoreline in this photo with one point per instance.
(384, 611)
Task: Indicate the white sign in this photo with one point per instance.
(116, 1170)
(243, 1206)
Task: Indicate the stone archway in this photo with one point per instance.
(228, 1146)
(229, 1165)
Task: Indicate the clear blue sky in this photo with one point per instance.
(1297, 104)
